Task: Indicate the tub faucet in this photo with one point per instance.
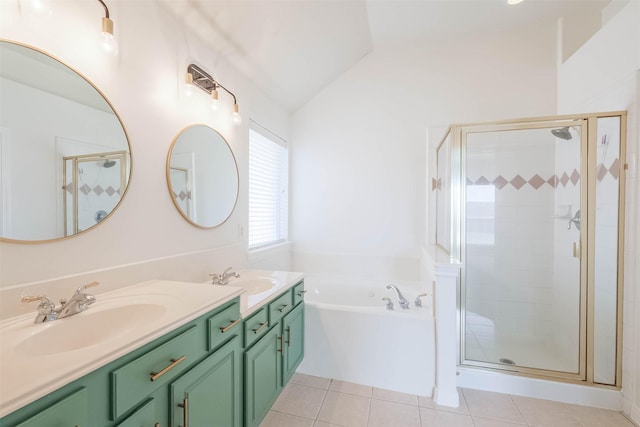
(78, 302)
(404, 303)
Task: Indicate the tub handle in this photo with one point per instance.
(283, 308)
(389, 303)
(418, 301)
(262, 325)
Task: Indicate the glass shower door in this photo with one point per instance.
(523, 294)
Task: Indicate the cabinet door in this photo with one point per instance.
(262, 370)
(70, 411)
(293, 332)
(210, 393)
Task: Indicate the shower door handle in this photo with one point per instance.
(576, 250)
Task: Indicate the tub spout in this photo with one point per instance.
(404, 303)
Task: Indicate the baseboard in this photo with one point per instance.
(541, 389)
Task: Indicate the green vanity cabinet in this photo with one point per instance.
(210, 394)
(271, 361)
(262, 376)
(70, 411)
(135, 389)
(293, 348)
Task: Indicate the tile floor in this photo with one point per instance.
(309, 401)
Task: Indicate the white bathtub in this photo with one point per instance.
(351, 336)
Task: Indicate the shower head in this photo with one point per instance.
(108, 163)
(562, 133)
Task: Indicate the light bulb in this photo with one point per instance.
(109, 42)
(235, 117)
(41, 7)
(188, 84)
(214, 99)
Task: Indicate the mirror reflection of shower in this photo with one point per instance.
(93, 186)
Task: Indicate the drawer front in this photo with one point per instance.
(223, 325)
(279, 307)
(298, 293)
(70, 411)
(143, 416)
(256, 326)
(140, 377)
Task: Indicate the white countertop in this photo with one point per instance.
(250, 303)
(25, 375)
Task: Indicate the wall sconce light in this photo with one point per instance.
(108, 40)
(197, 77)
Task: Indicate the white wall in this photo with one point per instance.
(144, 84)
(604, 75)
(360, 146)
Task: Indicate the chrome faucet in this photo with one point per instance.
(78, 302)
(404, 303)
(223, 279)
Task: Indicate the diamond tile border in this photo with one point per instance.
(537, 181)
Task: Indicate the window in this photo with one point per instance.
(268, 188)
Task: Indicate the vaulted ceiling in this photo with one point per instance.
(293, 48)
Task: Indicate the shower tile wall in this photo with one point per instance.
(509, 252)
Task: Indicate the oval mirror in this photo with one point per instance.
(202, 175)
(65, 158)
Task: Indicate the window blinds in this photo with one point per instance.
(268, 189)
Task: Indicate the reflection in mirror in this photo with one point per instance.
(202, 176)
(64, 154)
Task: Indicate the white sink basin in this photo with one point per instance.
(254, 285)
(87, 329)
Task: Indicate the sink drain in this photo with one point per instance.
(506, 361)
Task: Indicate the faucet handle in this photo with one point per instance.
(389, 303)
(418, 301)
(46, 305)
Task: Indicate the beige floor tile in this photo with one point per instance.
(427, 402)
(395, 396)
(486, 422)
(436, 418)
(323, 424)
(278, 419)
(391, 414)
(345, 409)
(545, 413)
(311, 381)
(596, 417)
(300, 400)
(351, 388)
(496, 406)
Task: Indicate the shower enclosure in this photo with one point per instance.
(533, 209)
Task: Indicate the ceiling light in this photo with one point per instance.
(109, 42)
(197, 77)
(514, 2)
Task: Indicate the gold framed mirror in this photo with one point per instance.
(65, 157)
(202, 176)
